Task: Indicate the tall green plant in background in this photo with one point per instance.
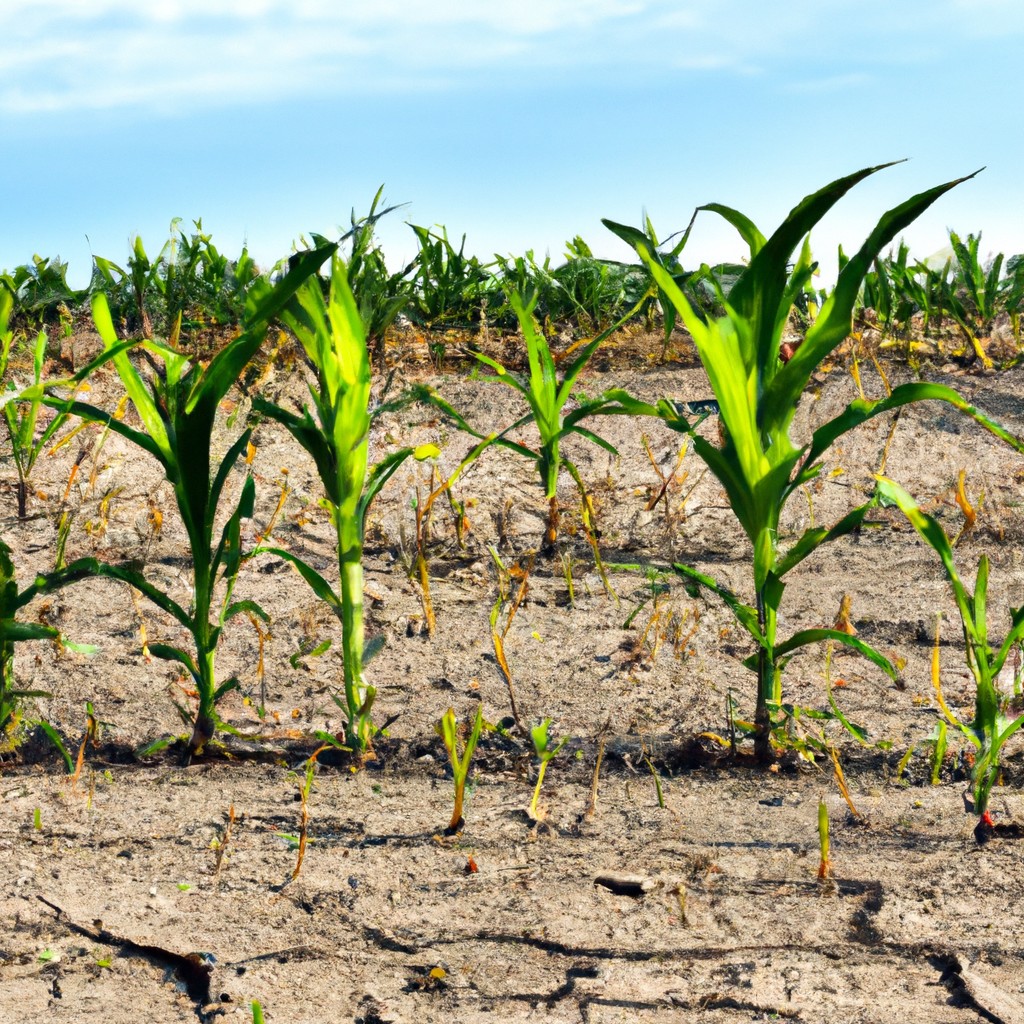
(991, 726)
(336, 435)
(448, 285)
(41, 292)
(380, 294)
(757, 384)
(701, 286)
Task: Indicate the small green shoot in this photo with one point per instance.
(659, 792)
(825, 865)
(545, 750)
(447, 728)
(20, 410)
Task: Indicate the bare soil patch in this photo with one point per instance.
(716, 913)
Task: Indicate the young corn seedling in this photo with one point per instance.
(448, 729)
(825, 862)
(177, 404)
(545, 749)
(757, 383)
(547, 395)
(336, 435)
(991, 726)
(21, 409)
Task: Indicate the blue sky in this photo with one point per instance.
(520, 125)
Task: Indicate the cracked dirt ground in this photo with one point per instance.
(108, 884)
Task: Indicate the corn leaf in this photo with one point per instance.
(834, 321)
(814, 636)
(745, 615)
(861, 410)
(316, 582)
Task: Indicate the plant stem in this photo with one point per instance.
(536, 792)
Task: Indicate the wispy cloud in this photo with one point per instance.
(63, 55)
(118, 53)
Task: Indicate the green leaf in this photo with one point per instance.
(166, 652)
(745, 615)
(138, 392)
(378, 476)
(810, 540)
(861, 411)
(317, 583)
(814, 636)
(14, 632)
(834, 320)
(247, 607)
(55, 738)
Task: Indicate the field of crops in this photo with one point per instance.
(593, 642)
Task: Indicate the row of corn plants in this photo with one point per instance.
(442, 287)
(957, 289)
(757, 379)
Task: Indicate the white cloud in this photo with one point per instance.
(66, 55)
(114, 53)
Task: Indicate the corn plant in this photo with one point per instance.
(448, 729)
(332, 336)
(380, 294)
(890, 290)
(447, 285)
(547, 394)
(21, 409)
(545, 749)
(14, 631)
(41, 292)
(202, 283)
(974, 292)
(1013, 293)
(757, 383)
(594, 289)
(177, 404)
(991, 726)
(133, 289)
(524, 275)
